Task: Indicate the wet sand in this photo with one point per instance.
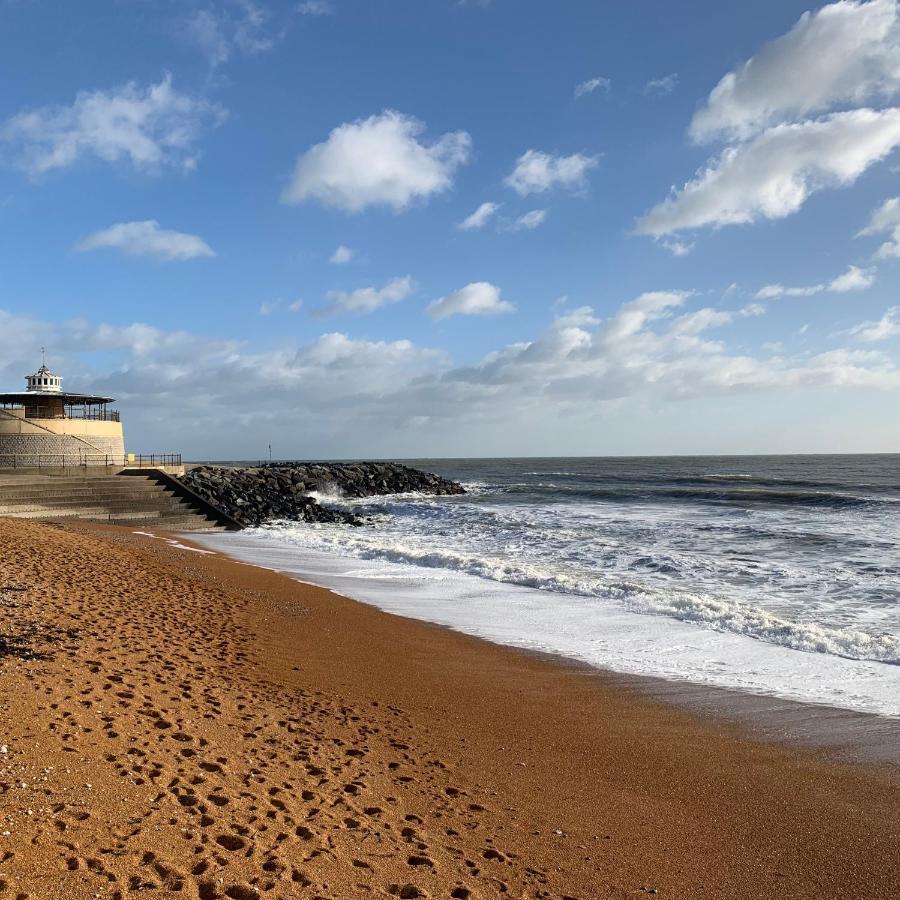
(179, 724)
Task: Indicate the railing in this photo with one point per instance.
(152, 460)
(76, 412)
(93, 415)
(84, 460)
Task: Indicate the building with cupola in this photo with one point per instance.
(46, 426)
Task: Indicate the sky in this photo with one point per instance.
(406, 228)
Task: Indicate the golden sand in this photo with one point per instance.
(181, 725)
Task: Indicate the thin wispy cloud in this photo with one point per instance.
(150, 128)
(604, 85)
(885, 220)
(661, 86)
(147, 239)
(887, 326)
(229, 28)
(480, 217)
(342, 255)
(529, 221)
(367, 299)
(854, 279)
(316, 8)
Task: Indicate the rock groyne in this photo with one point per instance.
(282, 490)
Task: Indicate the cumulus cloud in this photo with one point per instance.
(379, 161)
(149, 127)
(887, 326)
(336, 394)
(480, 217)
(147, 239)
(661, 86)
(536, 172)
(480, 298)
(845, 52)
(342, 255)
(591, 85)
(771, 176)
(367, 299)
(886, 220)
(854, 279)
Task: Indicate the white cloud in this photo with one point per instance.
(480, 217)
(591, 85)
(854, 279)
(886, 220)
(295, 306)
(342, 255)
(634, 315)
(366, 300)
(846, 52)
(700, 320)
(149, 127)
(536, 172)
(661, 86)
(887, 326)
(235, 25)
(147, 239)
(267, 307)
(316, 8)
(678, 248)
(480, 298)
(337, 395)
(529, 221)
(378, 161)
(772, 175)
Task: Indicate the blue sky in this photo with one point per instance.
(246, 221)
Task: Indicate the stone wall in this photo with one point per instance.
(36, 449)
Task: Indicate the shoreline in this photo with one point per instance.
(852, 733)
(583, 787)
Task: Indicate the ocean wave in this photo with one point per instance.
(709, 612)
(739, 496)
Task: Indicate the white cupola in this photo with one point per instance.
(44, 380)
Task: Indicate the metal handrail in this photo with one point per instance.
(84, 460)
(78, 413)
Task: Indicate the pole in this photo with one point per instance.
(270, 453)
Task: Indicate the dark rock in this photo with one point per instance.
(280, 490)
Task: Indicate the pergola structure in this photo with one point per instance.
(45, 425)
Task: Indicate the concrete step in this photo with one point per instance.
(118, 499)
(96, 503)
(60, 496)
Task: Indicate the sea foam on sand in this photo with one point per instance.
(580, 628)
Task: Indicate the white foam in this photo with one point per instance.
(707, 611)
(176, 544)
(589, 629)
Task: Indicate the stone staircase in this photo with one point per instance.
(143, 501)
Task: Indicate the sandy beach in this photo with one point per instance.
(179, 724)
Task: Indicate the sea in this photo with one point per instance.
(774, 575)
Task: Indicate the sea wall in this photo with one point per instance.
(39, 448)
(281, 490)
